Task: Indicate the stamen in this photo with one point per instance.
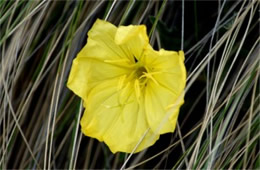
(125, 89)
(121, 82)
(137, 89)
(149, 75)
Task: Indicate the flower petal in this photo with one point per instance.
(119, 125)
(161, 108)
(168, 67)
(100, 59)
(86, 73)
(132, 37)
(101, 44)
(164, 95)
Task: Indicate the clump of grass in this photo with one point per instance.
(218, 125)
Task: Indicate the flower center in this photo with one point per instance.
(140, 71)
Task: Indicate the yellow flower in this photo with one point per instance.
(127, 87)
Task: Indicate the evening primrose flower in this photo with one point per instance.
(129, 91)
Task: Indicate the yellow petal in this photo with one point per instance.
(168, 67)
(78, 80)
(87, 73)
(100, 59)
(101, 44)
(164, 98)
(119, 125)
(161, 119)
(133, 38)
